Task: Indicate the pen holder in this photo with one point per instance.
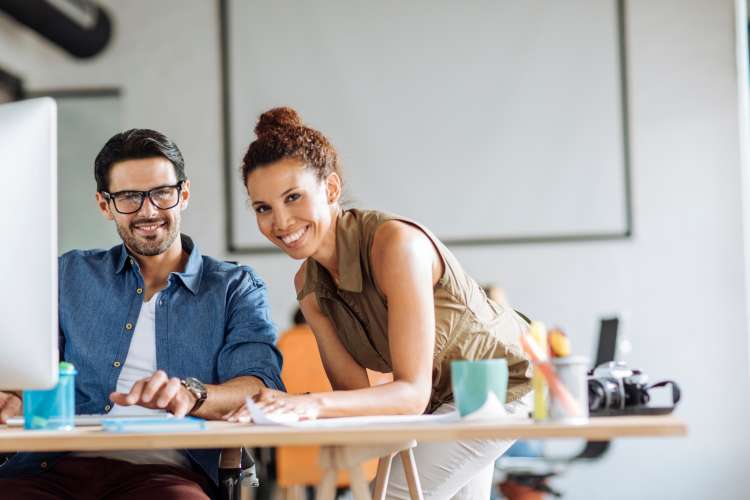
(572, 372)
(53, 408)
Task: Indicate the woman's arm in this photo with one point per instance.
(406, 266)
(343, 371)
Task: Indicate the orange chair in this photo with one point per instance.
(298, 466)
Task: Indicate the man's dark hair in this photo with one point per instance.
(135, 144)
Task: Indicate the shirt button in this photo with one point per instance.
(116, 364)
(43, 465)
(129, 326)
(107, 408)
(139, 291)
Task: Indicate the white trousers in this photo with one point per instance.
(459, 470)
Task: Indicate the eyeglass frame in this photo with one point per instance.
(144, 194)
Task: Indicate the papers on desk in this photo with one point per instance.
(259, 417)
(492, 409)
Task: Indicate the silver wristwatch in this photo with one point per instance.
(197, 389)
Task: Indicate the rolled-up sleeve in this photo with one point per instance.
(250, 346)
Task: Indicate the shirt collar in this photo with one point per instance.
(348, 246)
(190, 277)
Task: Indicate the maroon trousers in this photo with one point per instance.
(104, 479)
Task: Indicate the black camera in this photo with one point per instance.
(615, 389)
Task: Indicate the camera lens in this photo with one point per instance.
(605, 394)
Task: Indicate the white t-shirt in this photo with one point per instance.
(140, 363)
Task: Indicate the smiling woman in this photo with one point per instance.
(381, 292)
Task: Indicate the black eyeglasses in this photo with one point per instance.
(162, 197)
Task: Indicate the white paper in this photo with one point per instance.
(259, 417)
(493, 409)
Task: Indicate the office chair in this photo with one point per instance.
(297, 467)
(236, 473)
(530, 473)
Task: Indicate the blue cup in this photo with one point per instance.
(54, 408)
(473, 381)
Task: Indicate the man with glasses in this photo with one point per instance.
(152, 326)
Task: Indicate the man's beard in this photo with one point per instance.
(153, 245)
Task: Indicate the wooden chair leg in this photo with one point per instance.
(293, 493)
(358, 484)
(327, 487)
(381, 478)
(412, 476)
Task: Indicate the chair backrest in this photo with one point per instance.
(607, 344)
(303, 372)
(303, 369)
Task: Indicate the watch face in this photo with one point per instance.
(196, 386)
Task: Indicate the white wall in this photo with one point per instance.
(484, 81)
(679, 279)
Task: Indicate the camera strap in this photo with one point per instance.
(675, 390)
(646, 409)
(642, 409)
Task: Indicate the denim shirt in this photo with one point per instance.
(212, 323)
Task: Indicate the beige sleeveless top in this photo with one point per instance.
(468, 325)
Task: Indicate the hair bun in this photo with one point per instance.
(277, 118)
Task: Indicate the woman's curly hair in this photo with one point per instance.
(281, 134)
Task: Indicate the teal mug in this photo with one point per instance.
(473, 381)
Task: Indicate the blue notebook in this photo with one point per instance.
(153, 425)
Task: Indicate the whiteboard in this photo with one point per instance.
(488, 121)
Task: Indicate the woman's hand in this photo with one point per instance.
(279, 404)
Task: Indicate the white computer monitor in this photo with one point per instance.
(28, 244)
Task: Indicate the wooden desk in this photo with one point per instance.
(225, 435)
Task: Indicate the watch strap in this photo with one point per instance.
(192, 385)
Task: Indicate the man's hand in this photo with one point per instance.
(10, 406)
(158, 392)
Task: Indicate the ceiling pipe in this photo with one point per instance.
(79, 27)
